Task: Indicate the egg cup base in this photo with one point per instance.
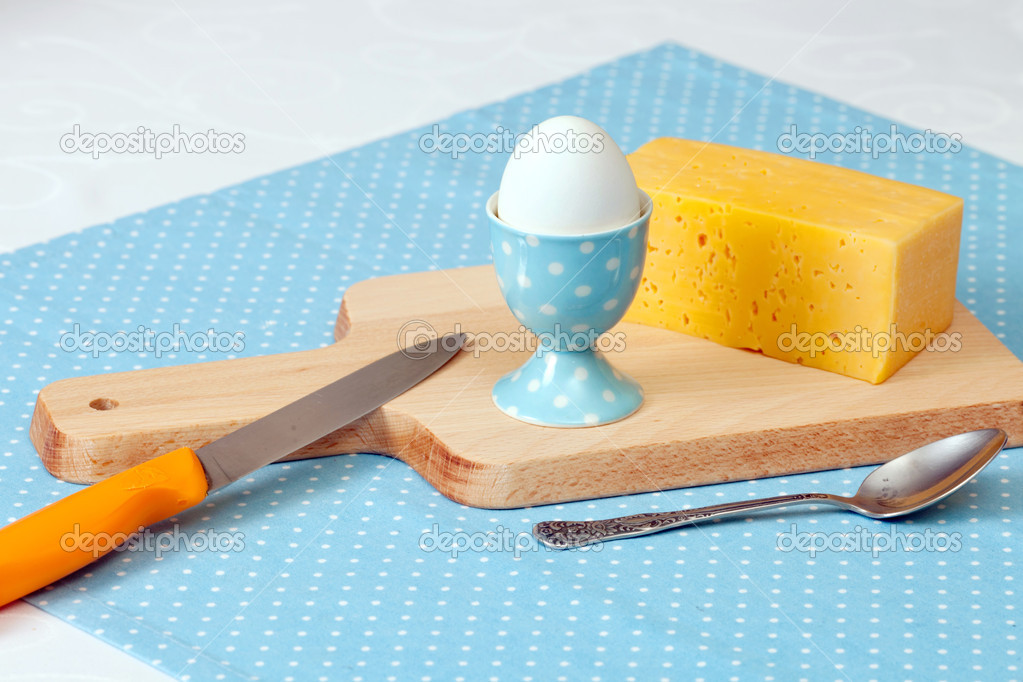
(567, 389)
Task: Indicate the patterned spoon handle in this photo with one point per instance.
(566, 534)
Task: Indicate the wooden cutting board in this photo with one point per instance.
(711, 414)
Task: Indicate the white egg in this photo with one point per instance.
(567, 176)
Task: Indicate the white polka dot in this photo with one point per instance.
(590, 418)
(548, 309)
(560, 401)
(533, 386)
(512, 410)
(610, 305)
(517, 375)
(580, 374)
(633, 232)
(609, 395)
(612, 264)
(635, 273)
(518, 314)
(532, 240)
(524, 281)
(586, 247)
(506, 247)
(584, 290)
(555, 268)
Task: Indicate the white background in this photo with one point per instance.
(301, 80)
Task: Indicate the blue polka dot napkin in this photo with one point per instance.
(353, 567)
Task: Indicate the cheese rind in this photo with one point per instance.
(806, 262)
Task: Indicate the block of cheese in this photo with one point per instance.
(803, 261)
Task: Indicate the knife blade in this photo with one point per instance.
(47, 544)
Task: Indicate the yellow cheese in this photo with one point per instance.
(810, 263)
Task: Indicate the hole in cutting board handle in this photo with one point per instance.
(103, 404)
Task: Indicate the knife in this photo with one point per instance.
(35, 551)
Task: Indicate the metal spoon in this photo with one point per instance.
(904, 485)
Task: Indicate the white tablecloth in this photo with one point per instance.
(303, 80)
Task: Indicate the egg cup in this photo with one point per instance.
(568, 290)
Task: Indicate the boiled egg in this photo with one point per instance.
(567, 176)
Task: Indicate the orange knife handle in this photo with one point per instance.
(73, 532)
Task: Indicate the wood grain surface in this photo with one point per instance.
(711, 414)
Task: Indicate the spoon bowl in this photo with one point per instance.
(926, 475)
(906, 484)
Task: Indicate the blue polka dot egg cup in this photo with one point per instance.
(569, 290)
